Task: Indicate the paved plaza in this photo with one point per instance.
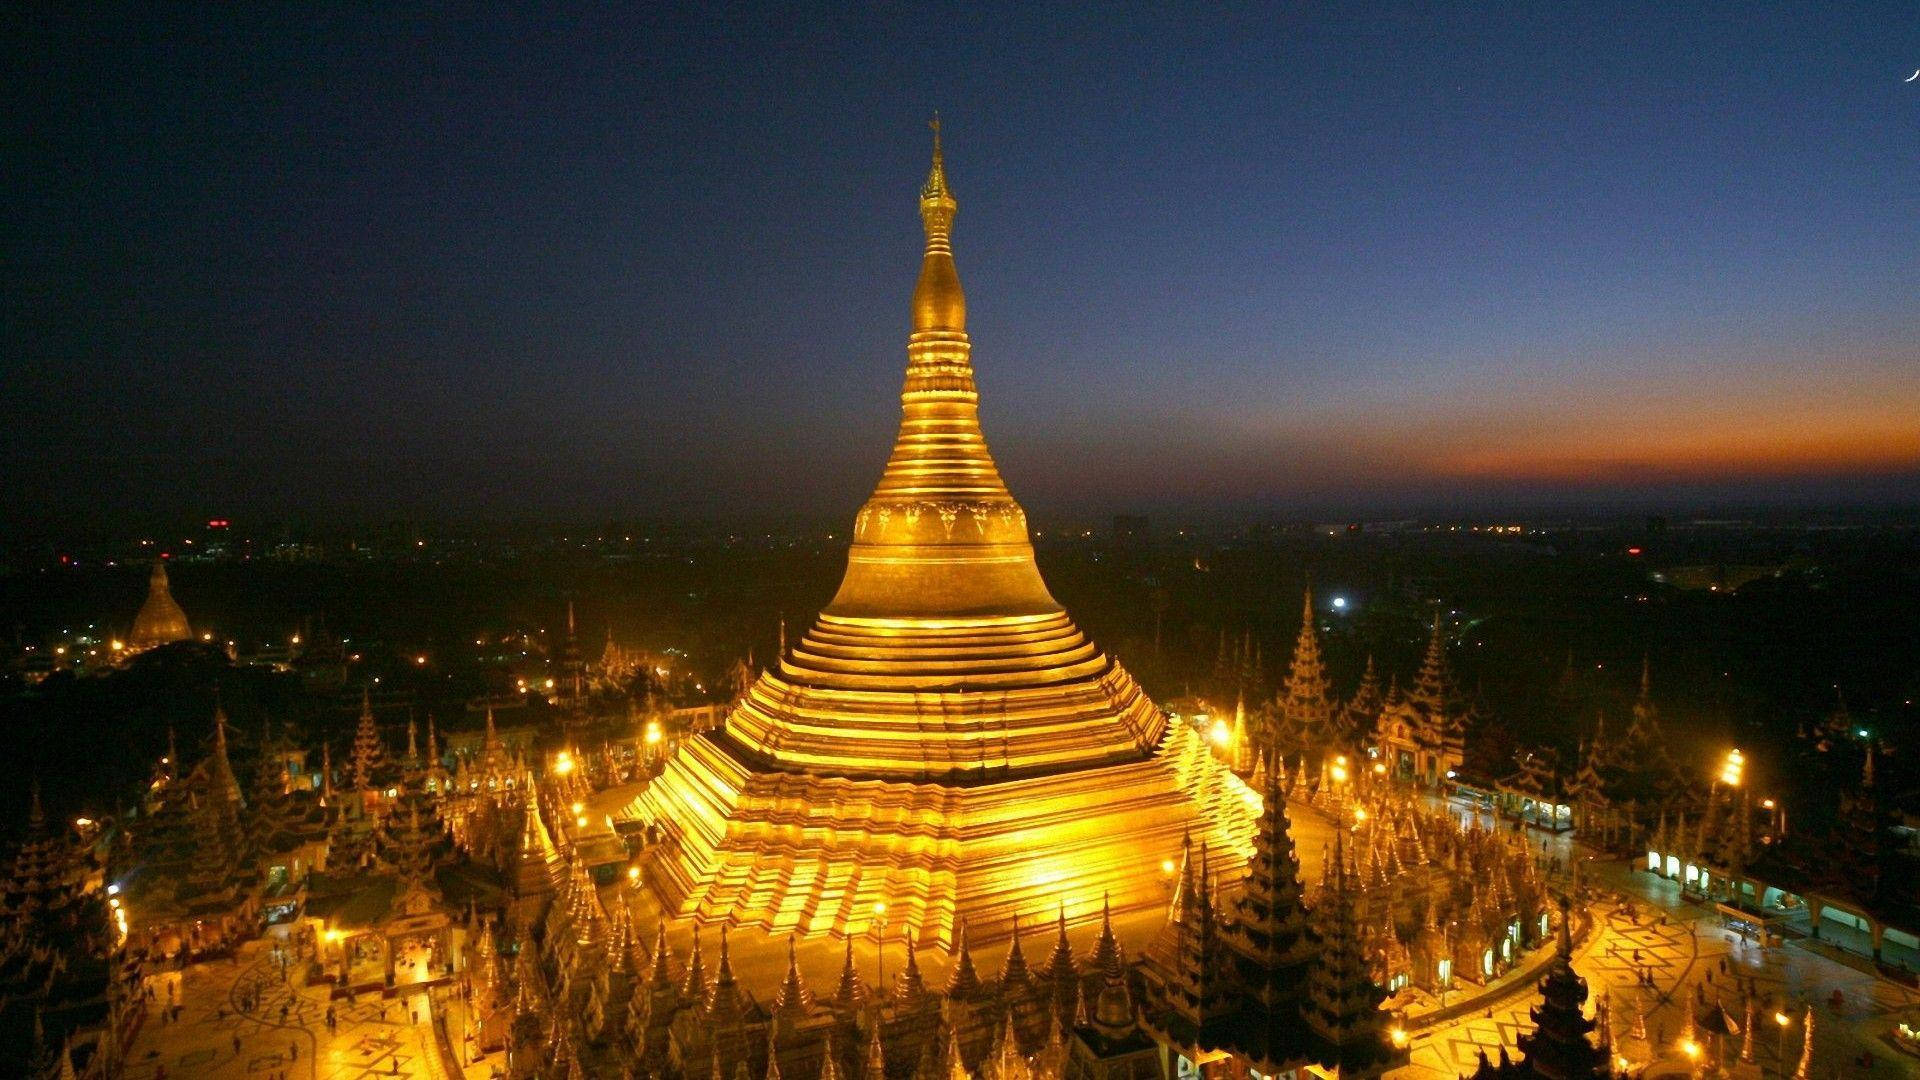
(1647, 956)
(241, 1018)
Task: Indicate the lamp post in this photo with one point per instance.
(1783, 1021)
(880, 947)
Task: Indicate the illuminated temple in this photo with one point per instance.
(944, 744)
(160, 621)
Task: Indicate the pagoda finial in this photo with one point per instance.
(36, 813)
(938, 303)
(936, 185)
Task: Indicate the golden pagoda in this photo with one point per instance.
(160, 622)
(944, 746)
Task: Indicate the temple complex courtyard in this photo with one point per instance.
(240, 1018)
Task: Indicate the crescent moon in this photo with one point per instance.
(1915, 75)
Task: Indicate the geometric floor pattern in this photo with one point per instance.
(1650, 953)
(240, 1019)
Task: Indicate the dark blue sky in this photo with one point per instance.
(1285, 257)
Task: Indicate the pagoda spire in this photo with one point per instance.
(1060, 971)
(830, 1061)
(913, 986)
(1271, 934)
(366, 745)
(662, 974)
(724, 1005)
(694, 990)
(220, 768)
(1182, 880)
(1307, 703)
(1363, 708)
(938, 301)
(848, 994)
(1559, 1045)
(962, 981)
(876, 1063)
(1113, 1006)
(793, 999)
(1434, 684)
(1014, 972)
(907, 562)
(1343, 1001)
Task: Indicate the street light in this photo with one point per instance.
(1784, 1021)
(880, 947)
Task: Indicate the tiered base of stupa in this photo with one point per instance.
(810, 854)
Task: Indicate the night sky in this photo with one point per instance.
(362, 266)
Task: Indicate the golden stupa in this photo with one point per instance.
(160, 622)
(944, 745)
